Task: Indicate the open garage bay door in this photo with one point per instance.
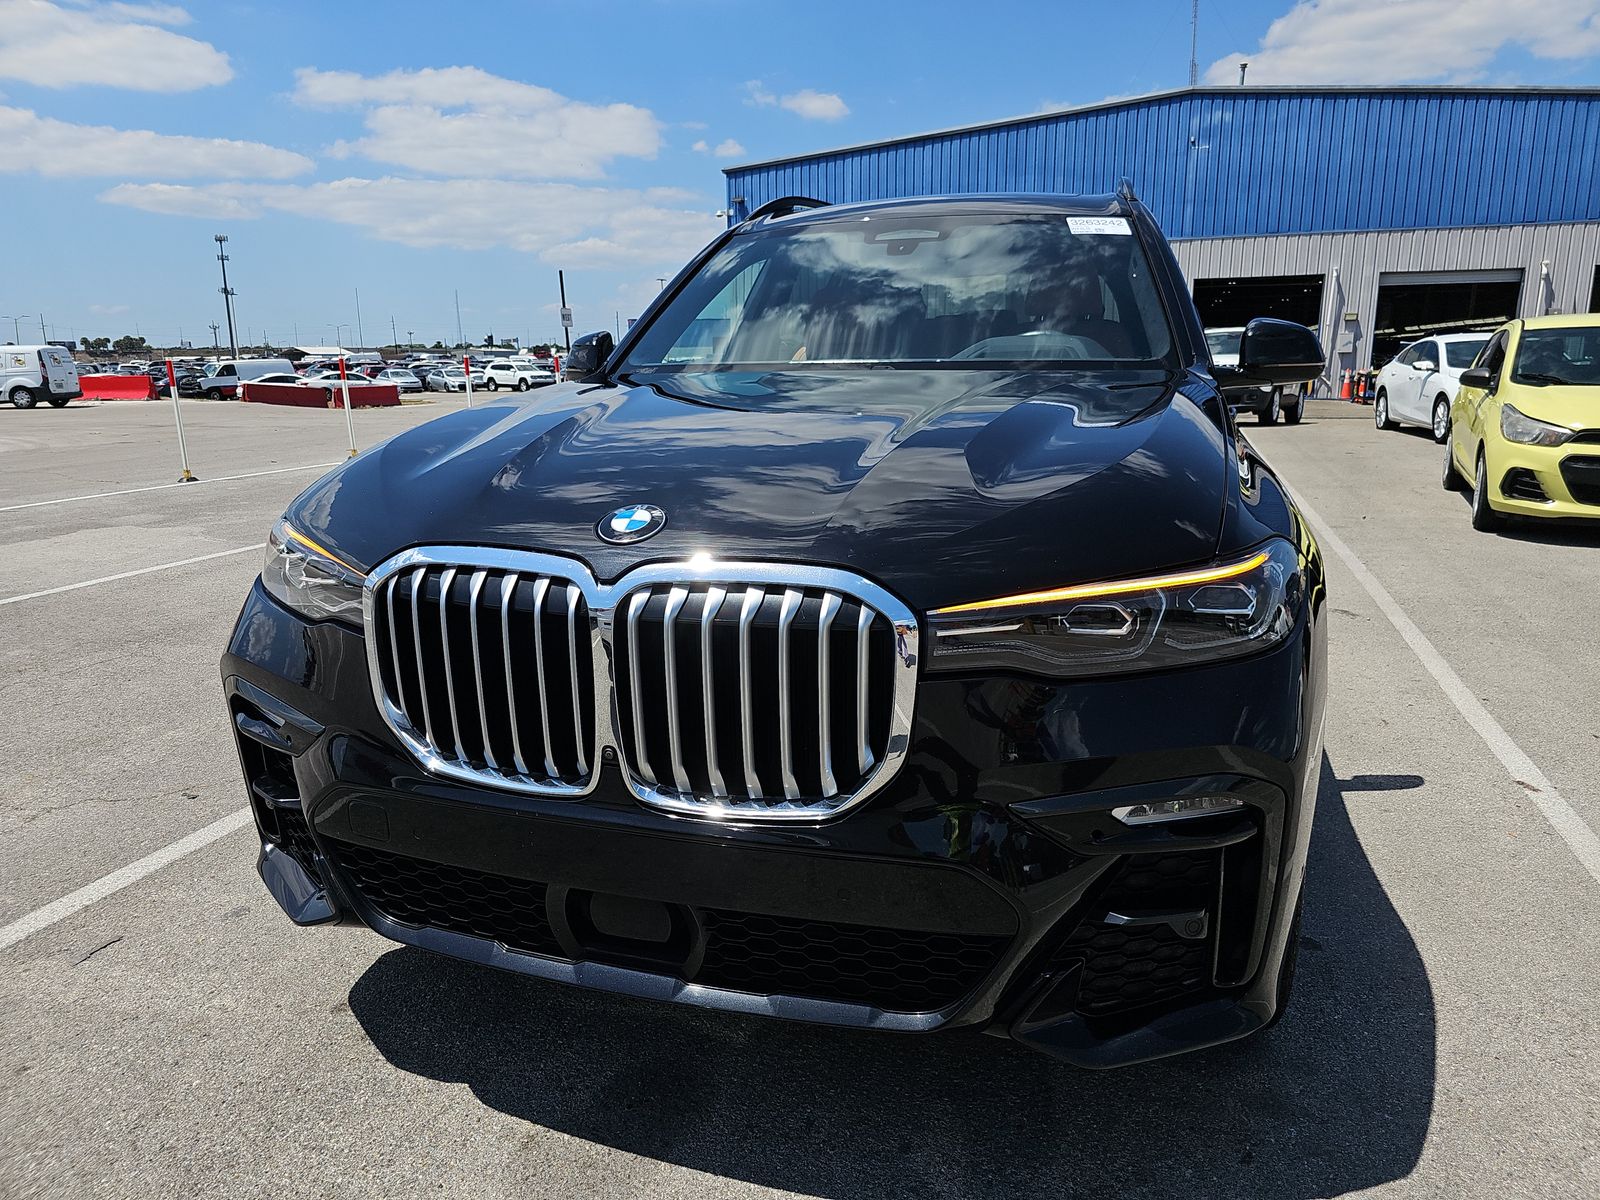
(1224, 303)
(1413, 304)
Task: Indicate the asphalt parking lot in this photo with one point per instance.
(176, 1036)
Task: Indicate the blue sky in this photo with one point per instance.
(411, 150)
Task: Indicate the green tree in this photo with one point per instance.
(129, 344)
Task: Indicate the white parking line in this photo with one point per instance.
(1580, 839)
(182, 562)
(161, 487)
(106, 885)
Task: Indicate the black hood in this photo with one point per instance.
(943, 485)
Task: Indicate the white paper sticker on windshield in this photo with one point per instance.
(1102, 225)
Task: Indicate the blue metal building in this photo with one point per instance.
(1377, 214)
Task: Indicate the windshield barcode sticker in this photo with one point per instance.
(1101, 225)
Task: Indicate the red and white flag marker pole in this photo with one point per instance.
(349, 425)
(466, 367)
(188, 476)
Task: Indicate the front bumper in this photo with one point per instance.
(986, 886)
(1545, 481)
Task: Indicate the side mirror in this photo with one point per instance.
(588, 355)
(1424, 364)
(1477, 377)
(1272, 352)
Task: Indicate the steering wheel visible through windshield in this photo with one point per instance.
(968, 289)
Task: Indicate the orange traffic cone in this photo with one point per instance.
(1344, 387)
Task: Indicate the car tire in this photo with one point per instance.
(1484, 517)
(1269, 415)
(1452, 478)
(58, 401)
(1441, 418)
(522, 385)
(24, 397)
(493, 385)
(1380, 411)
(1292, 413)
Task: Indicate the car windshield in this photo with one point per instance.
(1224, 341)
(965, 290)
(1460, 354)
(1559, 356)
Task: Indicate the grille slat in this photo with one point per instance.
(713, 679)
(574, 596)
(791, 604)
(477, 667)
(830, 609)
(753, 599)
(863, 681)
(714, 598)
(507, 591)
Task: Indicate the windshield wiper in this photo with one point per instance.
(1541, 377)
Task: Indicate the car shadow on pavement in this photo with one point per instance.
(1335, 1099)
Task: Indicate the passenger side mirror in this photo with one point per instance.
(1272, 352)
(1477, 377)
(588, 355)
(1425, 364)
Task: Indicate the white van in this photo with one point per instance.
(223, 383)
(29, 374)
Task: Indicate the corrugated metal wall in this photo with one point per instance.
(1352, 266)
(1234, 162)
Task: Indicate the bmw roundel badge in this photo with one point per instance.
(631, 523)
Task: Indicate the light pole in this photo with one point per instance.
(16, 325)
(221, 240)
(214, 328)
(338, 335)
(411, 339)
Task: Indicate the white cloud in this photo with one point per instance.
(701, 147)
(728, 148)
(108, 310)
(1381, 42)
(112, 45)
(462, 121)
(565, 224)
(58, 148)
(807, 102)
(816, 106)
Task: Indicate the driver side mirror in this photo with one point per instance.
(1477, 377)
(588, 356)
(1272, 352)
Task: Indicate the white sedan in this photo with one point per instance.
(1418, 385)
(455, 380)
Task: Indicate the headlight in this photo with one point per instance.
(1518, 427)
(1232, 608)
(309, 578)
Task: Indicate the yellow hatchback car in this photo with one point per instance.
(1525, 425)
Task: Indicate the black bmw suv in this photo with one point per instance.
(892, 631)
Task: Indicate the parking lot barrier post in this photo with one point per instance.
(349, 423)
(466, 369)
(188, 476)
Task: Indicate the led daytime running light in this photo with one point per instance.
(1088, 590)
(295, 535)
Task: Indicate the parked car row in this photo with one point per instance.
(48, 373)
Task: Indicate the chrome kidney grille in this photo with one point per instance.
(740, 691)
(489, 672)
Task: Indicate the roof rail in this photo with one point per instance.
(783, 206)
(1125, 190)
